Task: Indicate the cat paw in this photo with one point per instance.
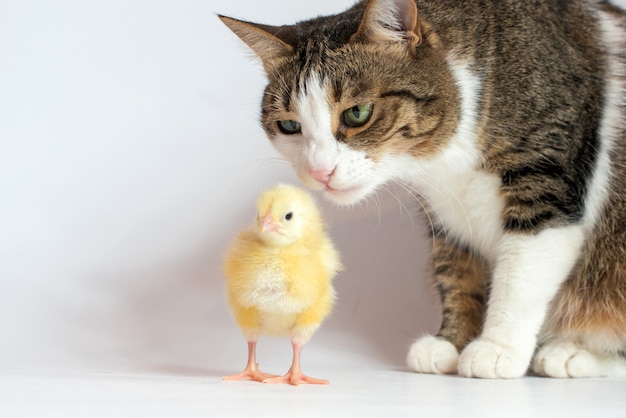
(433, 355)
(564, 359)
(489, 360)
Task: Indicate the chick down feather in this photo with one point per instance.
(279, 272)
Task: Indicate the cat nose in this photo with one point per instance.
(323, 176)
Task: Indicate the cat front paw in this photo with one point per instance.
(490, 360)
(433, 355)
(564, 359)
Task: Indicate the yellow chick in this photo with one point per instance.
(279, 276)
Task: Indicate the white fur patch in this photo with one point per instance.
(320, 150)
(315, 148)
(613, 118)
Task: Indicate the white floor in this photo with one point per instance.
(371, 392)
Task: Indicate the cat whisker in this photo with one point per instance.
(401, 204)
(378, 209)
(418, 196)
(273, 160)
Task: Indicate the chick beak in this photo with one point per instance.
(267, 223)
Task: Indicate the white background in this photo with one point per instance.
(130, 155)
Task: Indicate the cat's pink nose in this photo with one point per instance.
(323, 176)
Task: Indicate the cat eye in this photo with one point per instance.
(289, 127)
(358, 116)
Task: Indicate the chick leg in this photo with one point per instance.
(295, 376)
(251, 372)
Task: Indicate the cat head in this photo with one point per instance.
(354, 97)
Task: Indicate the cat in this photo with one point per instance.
(507, 118)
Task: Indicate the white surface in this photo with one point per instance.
(130, 154)
(371, 393)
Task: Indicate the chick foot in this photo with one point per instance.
(251, 372)
(295, 376)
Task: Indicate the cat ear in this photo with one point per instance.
(390, 21)
(268, 42)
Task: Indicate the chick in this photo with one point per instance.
(279, 276)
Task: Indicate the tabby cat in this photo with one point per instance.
(507, 119)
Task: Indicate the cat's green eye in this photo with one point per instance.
(289, 127)
(358, 116)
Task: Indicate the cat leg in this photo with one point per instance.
(460, 279)
(529, 270)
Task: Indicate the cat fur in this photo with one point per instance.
(507, 119)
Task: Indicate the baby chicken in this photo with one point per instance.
(279, 277)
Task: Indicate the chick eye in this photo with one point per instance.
(358, 116)
(289, 127)
(289, 216)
